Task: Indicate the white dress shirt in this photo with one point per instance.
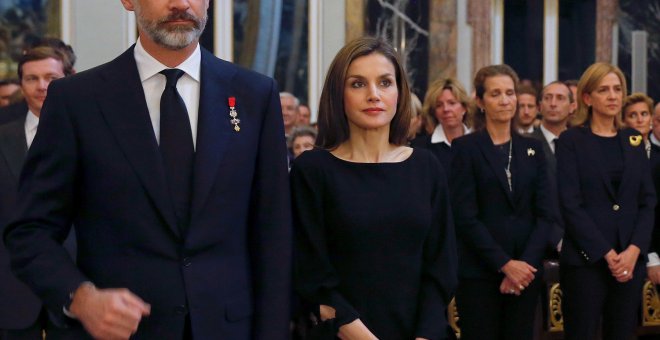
(439, 136)
(31, 124)
(549, 137)
(153, 84)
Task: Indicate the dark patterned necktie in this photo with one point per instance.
(176, 147)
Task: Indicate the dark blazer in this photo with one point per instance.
(12, 112)
(655, 171)
(596, 217)
(441, 151)
(494, 225)
(95, 163)
(19, 307)
(557, 231)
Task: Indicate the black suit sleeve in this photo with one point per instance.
(46, 201)
(439, 271)
(316, 278)
(647, 200)
(469, 228)
(270, 228)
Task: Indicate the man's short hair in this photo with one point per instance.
(11, 81)
(570, 93)
(296, 101)
(41, 53)
(301, 131)
(526, 89)
(59, 45)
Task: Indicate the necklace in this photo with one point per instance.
(507, 170)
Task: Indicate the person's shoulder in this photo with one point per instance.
(13, 112)
(629, 132)
(573, 132)
(427, 159)
(239, 72)
(528, 139)
(312, 160)
(467, 139)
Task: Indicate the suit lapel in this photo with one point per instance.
(628, 153)
(213, 129)
(490, 153)
(124, 107)
(13, 145)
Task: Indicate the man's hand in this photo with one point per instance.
(108, 313)
(520, 273)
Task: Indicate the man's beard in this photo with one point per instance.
(173, 37)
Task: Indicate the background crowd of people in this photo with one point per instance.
(398, 206)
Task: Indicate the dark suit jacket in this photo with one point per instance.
(442, 151)
(494, 225)
(655, 171)
(12, 112)
(557, 231)
(596, 217)
(95, 163)
(19, 307)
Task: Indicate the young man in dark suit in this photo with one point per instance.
(172, 167)
(556, 104)
(653, 264)
(21, 315)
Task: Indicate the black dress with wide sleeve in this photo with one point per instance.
(376, 241)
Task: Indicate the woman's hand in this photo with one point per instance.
(624, 265)
(653, 273)
(507, 287)
(355, 330)
(520, 273)
(326, 312)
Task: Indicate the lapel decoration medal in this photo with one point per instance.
(233, 114)
(635, 140)
(531, 152)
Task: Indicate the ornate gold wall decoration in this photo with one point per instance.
(650, 305)
(452, 317)
(555, 317)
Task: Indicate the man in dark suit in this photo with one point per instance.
(653, 264)
(556, 105)
(172, 167)
(7, 89)
(20, 309)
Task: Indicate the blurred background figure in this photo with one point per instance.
(304, 115)
(415, 117)
(527, 109)
(7, 89)
(290, 105)
(302, 138)
(447, 106)
(636, 113)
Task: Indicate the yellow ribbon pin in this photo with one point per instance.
(635, 140)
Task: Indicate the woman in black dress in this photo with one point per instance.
(607, 202)
(503, 209)
(375, 238)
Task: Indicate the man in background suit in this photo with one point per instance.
(172, 167)
(20, 309)
(653, 265)
(7, 89)
(556, 105)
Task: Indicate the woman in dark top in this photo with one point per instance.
(503, 209)
(375, 239)
(447, 107)
(607, 200)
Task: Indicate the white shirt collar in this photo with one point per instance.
(31, 121)
(148, 66)
(654, 140)
(549, 137)
(439, 136)
(523, 131)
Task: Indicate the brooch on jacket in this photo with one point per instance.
(531, 152)
(635, 140)
(233, 114)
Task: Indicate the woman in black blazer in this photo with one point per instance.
(503, 210)
(607, 201)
